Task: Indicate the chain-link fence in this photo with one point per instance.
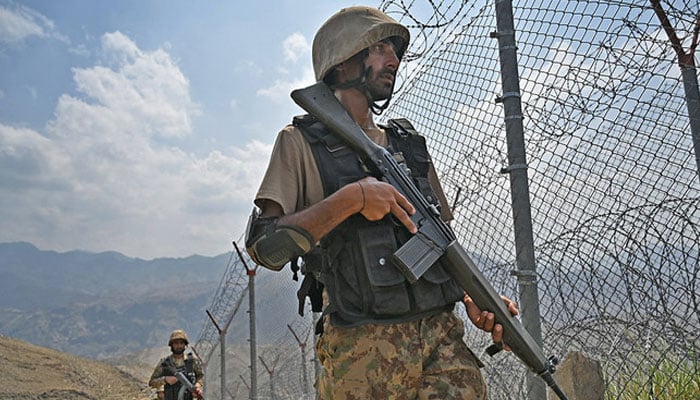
(614, 186)
(613, 180)
(284, 342)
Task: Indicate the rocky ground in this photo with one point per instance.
(31, 372)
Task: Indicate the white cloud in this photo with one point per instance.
(279, 91)
(100, 178)
(295, 47)
(146, 92)
(79, 50)
(19, 22)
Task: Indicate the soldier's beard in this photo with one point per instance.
(177, 351)
(380, 90)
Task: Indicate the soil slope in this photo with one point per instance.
(31, 372)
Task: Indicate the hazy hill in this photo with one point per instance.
(33, 372)
(102, 304)
(109, 306)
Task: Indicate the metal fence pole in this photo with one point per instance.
(302, 347)
(250, 271)
(222, 339)
(520, 195)
(222, 348)
(253, 344)
(692, 97)
(686, 61)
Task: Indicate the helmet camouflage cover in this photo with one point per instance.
(350, 31)
(178, 334)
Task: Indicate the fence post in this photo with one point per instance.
(686, 61)
(692, 97)
(250, 271)
(520, 195)
(302, 347)
(253, 344)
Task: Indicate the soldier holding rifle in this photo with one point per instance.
(382, 336)
(178, 376)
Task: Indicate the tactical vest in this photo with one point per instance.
(354, 261)
(172, 392)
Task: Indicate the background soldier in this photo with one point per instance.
(163, 378)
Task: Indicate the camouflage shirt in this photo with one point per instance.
(157, 380)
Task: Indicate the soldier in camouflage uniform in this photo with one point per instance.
(382, 337)
(163, 379)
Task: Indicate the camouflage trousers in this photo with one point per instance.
(423, 359)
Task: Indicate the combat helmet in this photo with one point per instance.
(178, 334)
(350, 31)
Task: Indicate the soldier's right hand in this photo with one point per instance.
(381, 198)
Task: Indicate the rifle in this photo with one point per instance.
(434, 239)
(186, 384)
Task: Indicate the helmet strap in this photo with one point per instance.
(379, 109)
(376, 108)
(360, 83)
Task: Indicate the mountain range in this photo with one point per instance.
(99, 305)
(105, 305)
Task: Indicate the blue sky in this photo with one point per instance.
(144, 127)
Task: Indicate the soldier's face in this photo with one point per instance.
(381, 65)
(178, 346)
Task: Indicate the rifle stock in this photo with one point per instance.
(434, 239)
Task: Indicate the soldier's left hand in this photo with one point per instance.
(486, 320)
